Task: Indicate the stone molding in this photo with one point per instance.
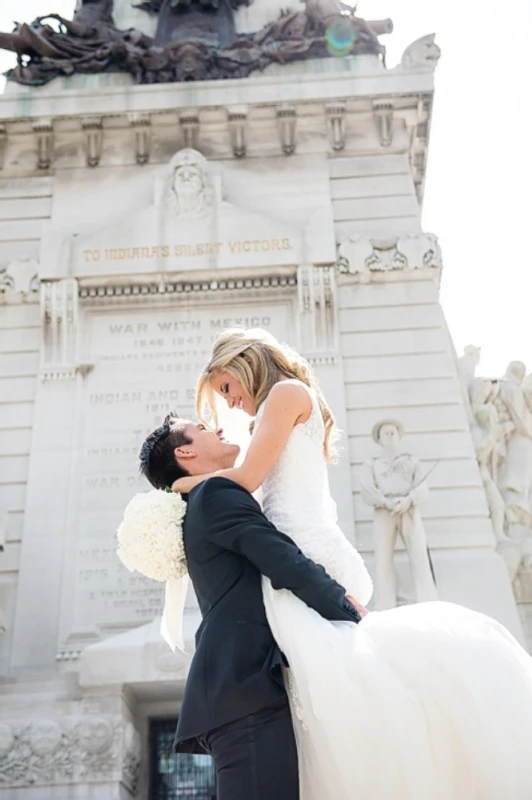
(204, 286)
(20, 276)
(190, 125)
(59, 314)
(335, 119)
(44, 142)
(141, 126)
(336, 116)
(383, 111)
(237, 119)
(82, 749)
(362, 257)
(93, 132)
(318, 317)
(287, 125)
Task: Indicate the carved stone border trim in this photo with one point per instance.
(185, 287)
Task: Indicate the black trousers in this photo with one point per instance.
(255, 757)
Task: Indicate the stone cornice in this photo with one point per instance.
(320, 80)
(345, 124)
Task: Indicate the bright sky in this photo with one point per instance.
(480, 166)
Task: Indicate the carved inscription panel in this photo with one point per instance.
(145, 364)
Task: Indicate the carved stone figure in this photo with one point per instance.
(188, 193)
(467, 365)
(423, 52)
(488, 439)
(515, 480)
(500, 416)
(194, 40)
(395, 486)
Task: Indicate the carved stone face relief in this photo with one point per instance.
(45, 737)
(189, 193)
(95, 735)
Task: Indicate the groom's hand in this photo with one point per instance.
(361, 610)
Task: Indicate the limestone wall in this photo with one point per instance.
(19, 357)
(25, 204)
(374, 195)
(399, 363)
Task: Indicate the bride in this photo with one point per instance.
(424, 702)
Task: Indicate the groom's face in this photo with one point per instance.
(207, 450)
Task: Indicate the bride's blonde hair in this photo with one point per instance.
(259, 361)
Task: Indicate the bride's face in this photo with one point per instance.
(230, 388)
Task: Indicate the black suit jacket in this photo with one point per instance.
(236, 668)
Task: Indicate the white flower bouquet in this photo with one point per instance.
(150, 541)
(150, 537)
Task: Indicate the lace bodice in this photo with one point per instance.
(296, 498)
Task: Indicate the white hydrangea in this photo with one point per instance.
(150, 537)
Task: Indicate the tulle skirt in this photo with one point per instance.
(424, 702)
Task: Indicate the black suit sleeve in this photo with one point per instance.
(233, 520)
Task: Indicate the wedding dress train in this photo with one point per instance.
(424, 702)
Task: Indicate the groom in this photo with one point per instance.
(235, 704)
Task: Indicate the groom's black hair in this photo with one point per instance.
(157, 457)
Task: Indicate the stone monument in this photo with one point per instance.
(145, 205)
(395, 485)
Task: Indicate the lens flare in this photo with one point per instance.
(340, 37)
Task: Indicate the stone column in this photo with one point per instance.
(49, 489)
(319, 343)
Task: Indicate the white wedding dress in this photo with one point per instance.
(424, 702)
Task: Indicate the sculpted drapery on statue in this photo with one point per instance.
(513, 403)
(194, 40)
(501, 426)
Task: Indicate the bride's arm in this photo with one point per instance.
(286, 406)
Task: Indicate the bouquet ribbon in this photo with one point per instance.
(175, 595)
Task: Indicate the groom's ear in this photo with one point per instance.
(184, 453)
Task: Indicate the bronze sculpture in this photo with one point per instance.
(194, 40)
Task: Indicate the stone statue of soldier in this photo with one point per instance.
(394, 484)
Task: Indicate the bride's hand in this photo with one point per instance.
(361, 610)
(185, 485)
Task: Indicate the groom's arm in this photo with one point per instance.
(233, 520)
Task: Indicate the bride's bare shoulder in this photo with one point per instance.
(291, 395)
